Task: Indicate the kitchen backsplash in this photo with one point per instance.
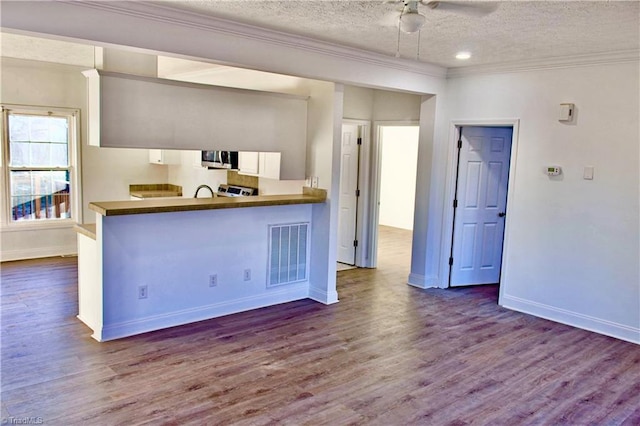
(155, 187)
(233, 178)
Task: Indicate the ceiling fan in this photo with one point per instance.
(410, 20)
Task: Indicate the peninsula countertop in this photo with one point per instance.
(159, 205)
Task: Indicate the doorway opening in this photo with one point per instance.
(480, 185)
(396, 193)
(377, 222)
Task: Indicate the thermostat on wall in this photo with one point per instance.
(553, 170)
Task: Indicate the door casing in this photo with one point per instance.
(447, 228)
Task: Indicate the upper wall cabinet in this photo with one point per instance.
(128, 111)
(260, 164)
(164, 156)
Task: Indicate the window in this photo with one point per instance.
(39, 163)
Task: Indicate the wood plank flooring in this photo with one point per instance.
(386, 354)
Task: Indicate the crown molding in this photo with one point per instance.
(545, 64)
(39, 63)
(169, 15)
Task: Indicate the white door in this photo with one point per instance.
(481, 194)
(348, 198)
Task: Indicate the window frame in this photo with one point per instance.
(73, 116)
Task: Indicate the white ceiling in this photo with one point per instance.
(516, 31)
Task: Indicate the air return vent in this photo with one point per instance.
(288, 253)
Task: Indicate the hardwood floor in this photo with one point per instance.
(387, 354)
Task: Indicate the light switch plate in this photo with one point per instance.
(588, 173)
(566, 112)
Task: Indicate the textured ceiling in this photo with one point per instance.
(515, 31)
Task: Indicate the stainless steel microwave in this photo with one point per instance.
(220, 159)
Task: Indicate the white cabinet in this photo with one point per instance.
(163, 156)
(248, 163)
(269, 165)
(260, 164)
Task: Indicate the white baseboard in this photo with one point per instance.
(37, 252)
(422, 281)
(323, 296)
(186, 316)
(574, 319)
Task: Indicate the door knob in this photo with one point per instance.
(502, 214)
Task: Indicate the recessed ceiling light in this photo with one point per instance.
(463, 55)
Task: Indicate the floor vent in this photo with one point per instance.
(288, 253)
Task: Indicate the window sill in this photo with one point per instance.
(20, 227)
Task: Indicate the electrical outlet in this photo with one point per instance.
(247, 274)
(213, 280)
(142, 292)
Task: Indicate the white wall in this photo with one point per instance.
(190, 174)
(108, 172)
(323, 161)
(219, 41)
(572, 245)
(362, 103)
(276, 187)
(144, 26)
(105, 173)
(595, 259)
(398, 176)
(389, 106)
(175, 265)
(32, 83)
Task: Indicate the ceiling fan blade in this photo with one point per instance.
(471, 8)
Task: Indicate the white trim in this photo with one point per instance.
(38, 252)
(186, 316)
(574, 319)
(447, 222)
(43, 225)
(323, 296)
(422, 281)
(168, 14)
(417, 280)
(631, 55)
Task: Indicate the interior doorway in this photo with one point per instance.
(482, 166)
(394, 189)
(377, 191)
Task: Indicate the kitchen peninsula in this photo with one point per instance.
(157, 263)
